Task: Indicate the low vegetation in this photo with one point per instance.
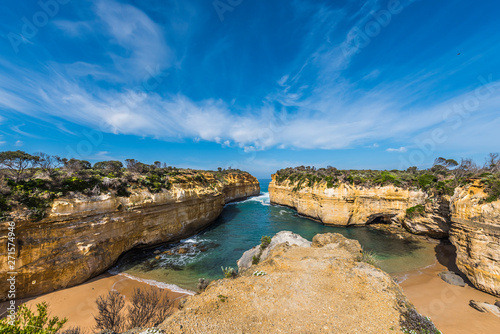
(229, 272)
(442, 178)
(148, 308)
(369, 257)
(35, 322)
(415, 210)
(265, 241)
(29, 183)
(412, 322)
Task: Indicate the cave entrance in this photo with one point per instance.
(380, 219)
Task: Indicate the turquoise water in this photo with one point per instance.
(240, 227)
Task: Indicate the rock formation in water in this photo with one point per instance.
(82, 237)
(302, 287)
(472, 224)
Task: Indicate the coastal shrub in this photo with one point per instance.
(412, 322)
(492, 189)
(415, 210)
(149, 308)
(4, 206)
(424, 181)
(222, 298)
(445, 187)
(386, 177)
(32, 322)
(110, 315)
(203, 284)
(111, 166)
(264, 242)
(74, 330)
(368, 257)
(256, 259)
(229, 272)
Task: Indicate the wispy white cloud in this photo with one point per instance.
(320, 108)
(135, 44)
(400, 150)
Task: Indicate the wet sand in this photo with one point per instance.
(78, 303)
(448, 305)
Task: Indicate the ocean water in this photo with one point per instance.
(240, 227)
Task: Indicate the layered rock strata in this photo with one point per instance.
(472, 225)
(347, 205)
(475, 232)
(81, 238)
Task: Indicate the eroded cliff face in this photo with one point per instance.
(475, 232)
(351, 205)
(302, 287)
(472, 225)
(81, 238)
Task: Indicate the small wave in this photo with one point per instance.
(194, 240)
(263, 199)
(161, 285)
(401, 279)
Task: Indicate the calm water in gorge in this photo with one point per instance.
(240, 227)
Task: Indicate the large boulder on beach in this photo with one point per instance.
(451, 278)
(485, 307)
(302, 289)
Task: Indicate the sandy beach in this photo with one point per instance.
(448, 305)
(78, 303)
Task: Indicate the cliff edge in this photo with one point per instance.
(81, 237)
(302, 287)
(468, 219)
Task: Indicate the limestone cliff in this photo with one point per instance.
(354, 205)
(302, 287)
(475, 232)
(82, 237)
(472, 225)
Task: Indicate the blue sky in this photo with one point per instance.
(256, 85)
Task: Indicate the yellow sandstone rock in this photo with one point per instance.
(81, 238)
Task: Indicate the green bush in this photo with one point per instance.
(264, 242)
(386, 178)
(425, 180)
(368, 257)
(229, 272)
(29, 322)
(415, 210)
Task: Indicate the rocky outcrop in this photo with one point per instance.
(485, 307)
(81, 238)
(346, 205)
(313, 288)
(291, 238)
(475, 232)
(472, 225)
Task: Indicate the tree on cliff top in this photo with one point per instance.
(18, 163)
(112, 166)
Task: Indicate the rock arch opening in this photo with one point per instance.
(380, 219)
